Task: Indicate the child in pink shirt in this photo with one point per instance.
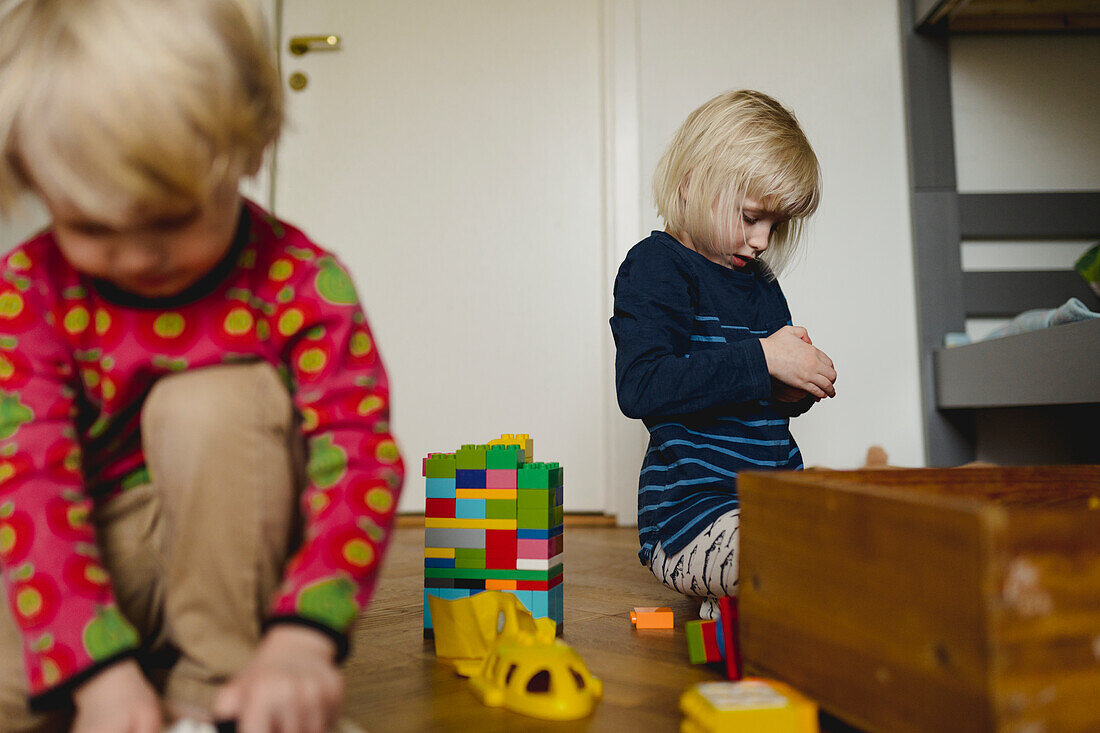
(197, 475)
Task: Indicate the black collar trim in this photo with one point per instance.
(198, 290)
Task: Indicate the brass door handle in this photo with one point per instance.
(300, 45)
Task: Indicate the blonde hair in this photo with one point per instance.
(739, 145)
(115, 104)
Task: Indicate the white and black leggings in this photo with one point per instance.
(707, 566)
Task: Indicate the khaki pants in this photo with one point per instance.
(196, 555)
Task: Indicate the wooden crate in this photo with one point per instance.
(930, 600)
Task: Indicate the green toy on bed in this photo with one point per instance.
(1089, 267)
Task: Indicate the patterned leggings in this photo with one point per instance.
(707, 567)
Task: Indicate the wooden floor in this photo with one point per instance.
(395, 684)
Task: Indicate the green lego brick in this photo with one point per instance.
(500, 508)
(470, 563)
(533, 476)
(557, 476)
(504, 456)
(440, 465)
(470, 553)
(478, 574)
(539, 476)
(535, 499)
(697, 652)
(533, 519)
(559, 516)
(471, 456)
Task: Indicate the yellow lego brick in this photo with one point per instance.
(485, 493)
(523, 440)
(439, 552)
(753, 705)
(451, 523)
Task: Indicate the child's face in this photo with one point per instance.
(752, 234)
(152, 252)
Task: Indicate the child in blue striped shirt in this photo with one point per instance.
(706, 354)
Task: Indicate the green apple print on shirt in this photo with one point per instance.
(331, 602)
(108, 634)
(13, 413)
(327, 462)
(333, 283)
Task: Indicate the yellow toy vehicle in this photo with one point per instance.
(542, 681)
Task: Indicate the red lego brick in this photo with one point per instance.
(439, 508)
(500, 549)
(710, 641)
(728, 608)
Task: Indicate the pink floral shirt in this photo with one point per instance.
(76, 361)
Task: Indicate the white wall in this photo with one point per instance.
(838, 66)
(1026, 112)
(28, 218)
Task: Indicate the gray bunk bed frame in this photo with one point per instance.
(1043, 378)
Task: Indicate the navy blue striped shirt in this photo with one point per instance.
(689, 364)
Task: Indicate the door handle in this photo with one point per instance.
(300, 45)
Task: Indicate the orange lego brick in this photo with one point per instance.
(651, 617)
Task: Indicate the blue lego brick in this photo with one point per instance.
(470, 478)
(439, 488)
(540, 603)
(438, 593)
(524, 597)
(557, 602)
(469, 508)
(447, 594)
(539, 534)
(439, 562)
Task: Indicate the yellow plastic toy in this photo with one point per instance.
(467, 629)
(752, 705)
(549, 682)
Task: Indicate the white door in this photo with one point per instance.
(451, 153)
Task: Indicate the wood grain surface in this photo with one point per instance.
(929, 599)
(395, 684)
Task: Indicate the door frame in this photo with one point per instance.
(623, 226)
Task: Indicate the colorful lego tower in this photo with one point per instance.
(493, 521)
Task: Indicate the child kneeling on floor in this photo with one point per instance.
(706, 354)
(197, 478)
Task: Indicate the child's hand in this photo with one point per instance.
(291, 685)
(785, 393)
(117, 700)
(793, 360)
